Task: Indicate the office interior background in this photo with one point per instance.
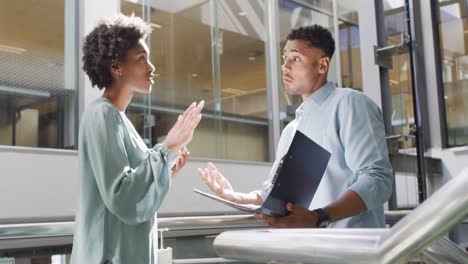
(410, 57)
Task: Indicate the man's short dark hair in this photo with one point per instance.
(109, 42)
(316, 35)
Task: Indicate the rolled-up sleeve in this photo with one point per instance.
(133, 194)
(362, 136)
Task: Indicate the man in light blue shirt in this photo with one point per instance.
(358, 178)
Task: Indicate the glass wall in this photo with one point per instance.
(453, 35)
(37, 104)
(202, 50)
(212, 51)
(222, 60)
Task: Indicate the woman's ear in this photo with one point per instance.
(115, 70)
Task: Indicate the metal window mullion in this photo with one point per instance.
(273, 74)
(439, 74)
(386, 97)
(60, 121)
(69, 134)
(12, 110)
(385, 93)
(350, 57)
(417, 82)
(336, 26)
(216, 75)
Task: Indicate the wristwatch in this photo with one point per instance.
(323, 220)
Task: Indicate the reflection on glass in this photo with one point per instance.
(181, 49)
(36, 109)
(453, 33)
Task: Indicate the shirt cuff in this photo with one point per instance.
(168, 155)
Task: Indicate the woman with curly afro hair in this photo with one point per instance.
(122, 182)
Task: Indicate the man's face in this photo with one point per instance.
(303, 65)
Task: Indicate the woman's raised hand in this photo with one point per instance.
(182, 132)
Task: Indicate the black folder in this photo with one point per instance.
(296, 180)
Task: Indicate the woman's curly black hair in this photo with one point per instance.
(109, 42)
(316, 35)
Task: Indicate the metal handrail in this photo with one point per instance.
(443, 251)
(429, 221)
(65, 228)
(209, 222)
(58, 229)
(414, 233)
(36, 230)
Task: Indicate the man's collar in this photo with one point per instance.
(322, 93)
(317, 98)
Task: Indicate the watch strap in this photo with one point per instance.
(323, 218)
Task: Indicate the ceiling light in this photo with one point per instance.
(242, 13)
(394, 82)
(194, 75)
(395, 3)
(251, 58)
(11, 49)
(234, 91)
(154, 25)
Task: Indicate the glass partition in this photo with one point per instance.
(403, 121)
(349, 44)
(212, 51)
(37, 89)
(215, 51)
(453, 33)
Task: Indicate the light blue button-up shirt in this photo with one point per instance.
(350, 126)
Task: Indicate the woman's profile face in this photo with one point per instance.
(137, 70)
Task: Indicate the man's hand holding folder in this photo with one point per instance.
(298, 217)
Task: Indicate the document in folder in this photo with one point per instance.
(296, 180)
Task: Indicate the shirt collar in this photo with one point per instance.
(317, 98)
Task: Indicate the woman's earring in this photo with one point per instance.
(120, 74)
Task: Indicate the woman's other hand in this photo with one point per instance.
(180, 162)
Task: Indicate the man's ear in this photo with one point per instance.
(324, 64)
